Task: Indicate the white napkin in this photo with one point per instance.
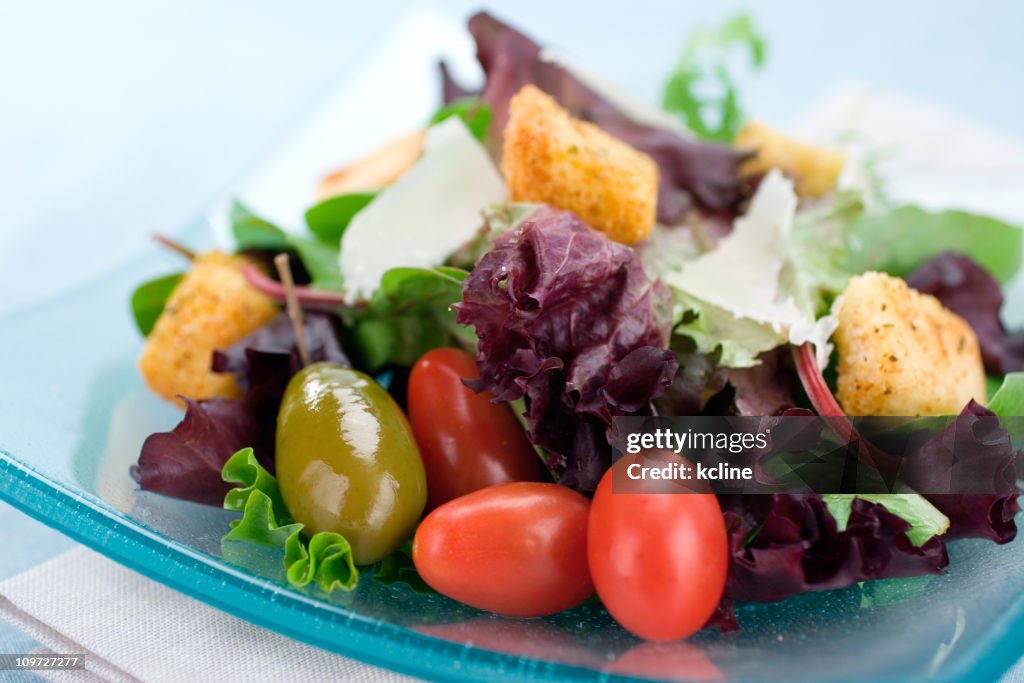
(131, 628)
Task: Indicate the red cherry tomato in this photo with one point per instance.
(658, 560)
(518, 549)
(467, 442)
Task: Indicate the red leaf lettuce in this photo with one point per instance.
(186, 462)
(971, 292)
(567, 319)
(785, 544)
(692, 173)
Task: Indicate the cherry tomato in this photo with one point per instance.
(518, 549)
(658, 560)
(467, 442)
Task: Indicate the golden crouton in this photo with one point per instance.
(548, 156)
(814, 169)
(211, 308)
(902, 353)
(381, 167)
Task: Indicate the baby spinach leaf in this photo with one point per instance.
(252, 232)
(149, 299)
(329, 219)
(701, 90)
(318, 254)
(320, 260)
(411, 313)
(473, 112)
(396, 340)
(900, 240)
(1008, 401)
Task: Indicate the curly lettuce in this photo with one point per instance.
(925, 519)
(325, 558)
(568, 320)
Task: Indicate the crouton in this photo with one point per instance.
(814, 169)
(548, 156)
(901, 353)
(381, 167)
(211, 308)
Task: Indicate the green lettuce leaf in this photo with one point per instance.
(320, 259)
(409, 314)
(411, 311)
(924, 519)
(900, 240)
(815, 271)
(259, 525)
(1008, 400)
(701, 89)
(150, 298)
(329, 219)
(252, 232)
(265, 522)
(319, 255)
(473, 112)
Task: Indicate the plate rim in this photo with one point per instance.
(91, 522)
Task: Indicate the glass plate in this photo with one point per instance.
(74, 411)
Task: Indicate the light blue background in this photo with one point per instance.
(121, 118)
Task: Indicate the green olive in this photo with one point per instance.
(347, 460)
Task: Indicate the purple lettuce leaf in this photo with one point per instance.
(987, 515)
(984, 451)
(567, 319)
(697, 382)
(701, 387)
(264, 361)
(765, 389)
(450, 88)
(786, 544)
(692, 174)
(971, 292)
(186, 462)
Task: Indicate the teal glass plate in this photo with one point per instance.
(74, 412)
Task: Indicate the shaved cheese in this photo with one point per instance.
(432, 210)
(744, 290)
